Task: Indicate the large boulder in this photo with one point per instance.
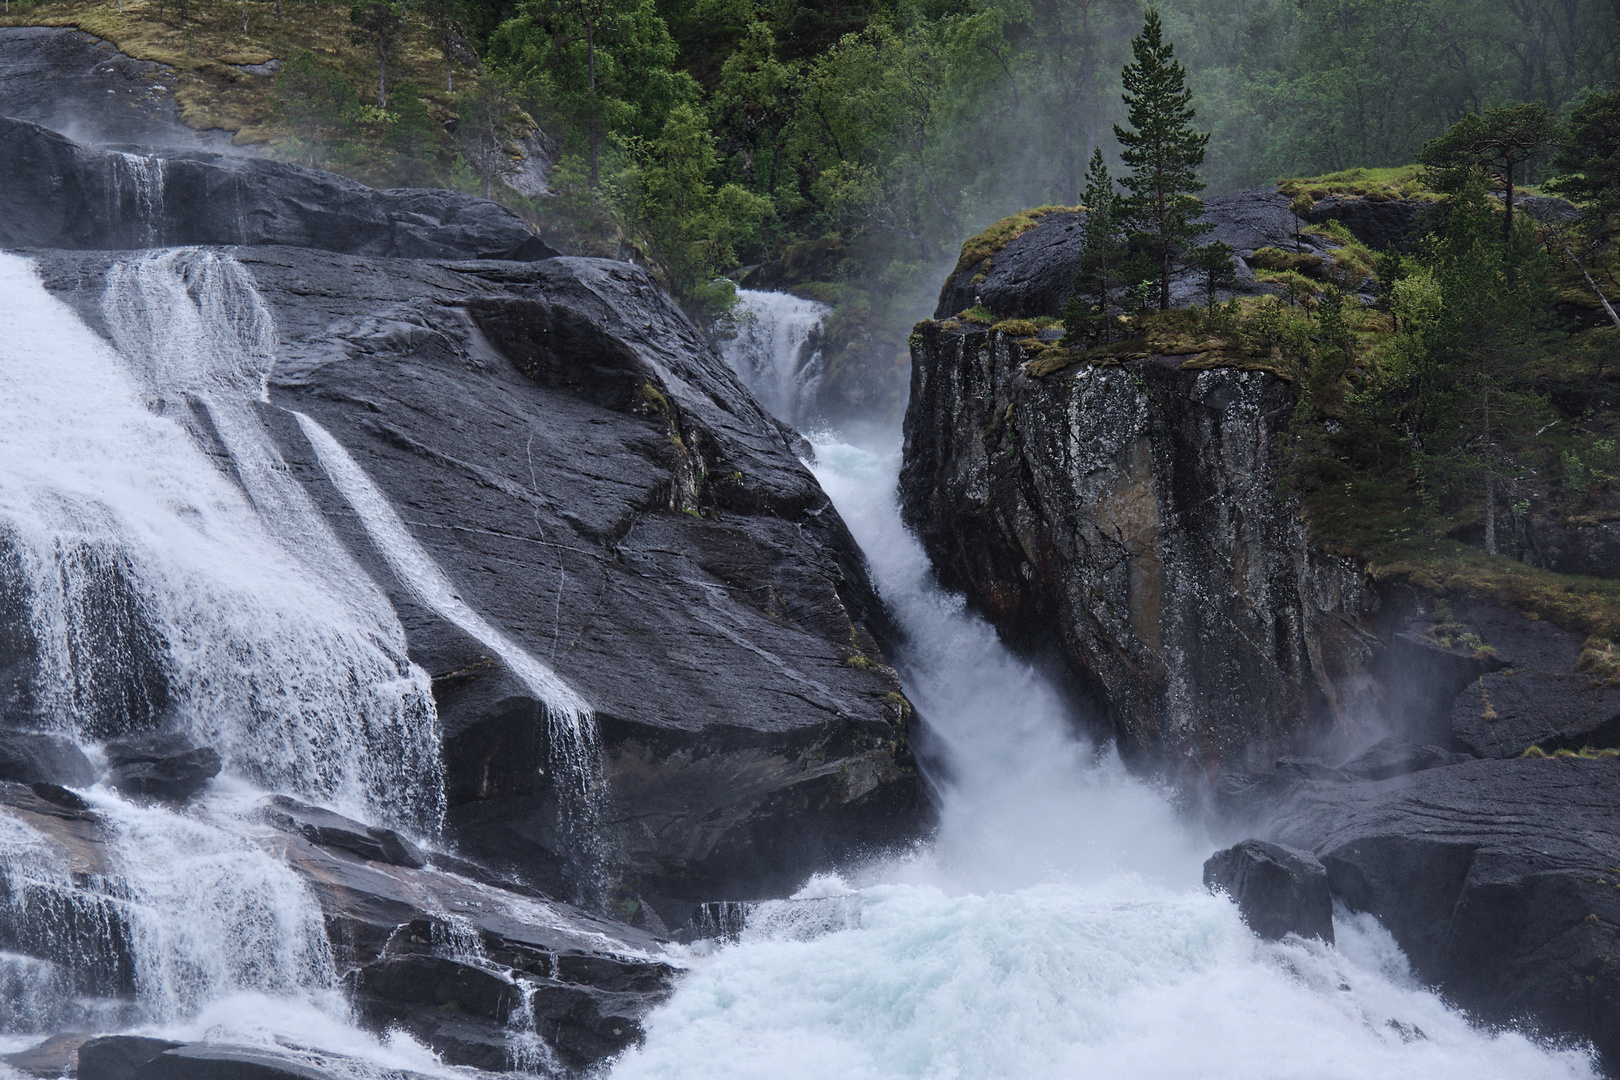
(1497, 878)
(1279, 890)
(166, 765)
(594, 482)
(34, 758)
(60, 194)
(1033, 273)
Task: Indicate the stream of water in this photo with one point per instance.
(1056, 928)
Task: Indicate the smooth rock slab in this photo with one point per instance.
(119, 1057)
(30, 758)
(332, 830)
(1279, 890)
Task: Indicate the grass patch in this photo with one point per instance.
(1587, 753)
(985, 245)
(1600, 658)
(978, 314)
(1396, 182)
(211, 90)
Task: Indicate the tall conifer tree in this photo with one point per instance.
(1163, 152)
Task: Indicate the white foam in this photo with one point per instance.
(287, 661)
(773, 353)
(574, 739)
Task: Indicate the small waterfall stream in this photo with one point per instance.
(165, 571)
(776, 351)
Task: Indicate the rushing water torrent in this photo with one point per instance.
(176, 576)
(1056, 928)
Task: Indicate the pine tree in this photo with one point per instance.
(1163, 152)
(1102, 252)
(378, 24)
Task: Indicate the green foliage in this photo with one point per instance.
(1216, 272)
(1086, 318)
(1588, 163)
(1162, 151)
(377, 27)
(489, 120)
(693, 226)
(598, 72)
(317, 104)
(1497, 142)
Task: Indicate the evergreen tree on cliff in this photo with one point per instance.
(1086, 315)
(1162, 151)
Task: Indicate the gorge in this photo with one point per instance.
(425, 654)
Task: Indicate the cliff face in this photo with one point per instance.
(1129, 518)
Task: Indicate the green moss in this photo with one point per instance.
(1600, 658)
(1270, 258)
(998, 236)
(210, 89)
(977, 314)
(1398, 182)
(1587, 753)
(1017, 328)
(653, 399)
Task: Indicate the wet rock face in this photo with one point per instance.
(595, 482)
(1127, 520)
(60, 194)
(1280, 890)
(1496, 877)
(165, 766)
(30, 758)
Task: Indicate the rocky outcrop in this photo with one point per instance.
(593, 480)
(60, 194)
(1279, 890)
(1033, 274)
(1497, 878)
(1127, 520)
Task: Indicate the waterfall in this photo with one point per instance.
(165, 591)
(775, 354)
(141, 175)
(1056, 926)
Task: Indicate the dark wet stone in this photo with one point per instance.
(30, 758)
(118, 1057)
(164, 766)
(1279, 890)
(332, 830)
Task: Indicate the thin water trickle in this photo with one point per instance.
(1055, 928)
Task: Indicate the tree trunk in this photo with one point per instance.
(382, 75)
(1490, 481)
(1507, 218)
(590, 60)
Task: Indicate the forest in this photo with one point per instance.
(861, 141)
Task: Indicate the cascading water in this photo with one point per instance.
(576, 747)
(148, 587)
(774, 351)
(1055, 928)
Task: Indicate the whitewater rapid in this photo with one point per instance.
(1055, 929)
